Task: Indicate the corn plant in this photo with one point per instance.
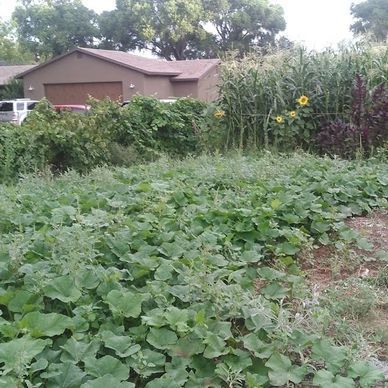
(259, 88)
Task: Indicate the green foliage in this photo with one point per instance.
(172, 29)
(176, 29)
(257, 89)
(10, 50)
(350, 300)
(50, 28)
(144, 129)
(173, 128)
(242, 25)
(372, 19)
(19, 152)
(175, 274)
(69, 140)
(13, 89)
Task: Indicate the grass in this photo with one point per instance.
(181, 273)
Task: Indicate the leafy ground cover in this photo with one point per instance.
(180, 274)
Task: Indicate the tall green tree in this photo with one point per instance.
(187, 29)
(52, 27)
(119, 28)
(371, 18)
(10, 50)
(245, 24)
(172, 29)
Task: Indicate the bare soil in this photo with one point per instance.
(327, 266)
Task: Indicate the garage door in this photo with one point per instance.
(79, 93)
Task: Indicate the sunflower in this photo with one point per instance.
(279, 119)
(219, 114)
(292, 114)
(303, 100)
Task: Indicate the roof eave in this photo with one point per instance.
(184, 79)
(189, 79)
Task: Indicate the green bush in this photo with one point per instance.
(155, 126)
(69, 140)
(20, 152)
(109, 134)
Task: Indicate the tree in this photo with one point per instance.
(245, 24)
(52, 27)
(12, 89)
(118, 28)
(372, 18)
(188, 29)
(172, 29)
(10, 50)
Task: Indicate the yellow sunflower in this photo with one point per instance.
(303, 100)
(279, 119)
(219, 114)
(292, 114)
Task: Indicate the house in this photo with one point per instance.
(9, 72)
(72, 77)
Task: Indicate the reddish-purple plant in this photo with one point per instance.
(367, 127)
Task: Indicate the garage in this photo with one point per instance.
(78, 93)
(71, 77)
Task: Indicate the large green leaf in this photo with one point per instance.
(62, 288)
(122, 345)
(366, 373)
(45, 325)
(161, 338)
(215, 346)
(65, 375)
(282, 371)
(23, 301)
(107, 381)
(147, 362)
(124, 303)
(333, 356)
(326, 379)
(106, 365)
(185, 347)
(75, 351)
(21, 351)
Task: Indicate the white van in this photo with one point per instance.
(16, 111)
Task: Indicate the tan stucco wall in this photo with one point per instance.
(186, 89)
(208, 85)
(158, 86)
(76, 68)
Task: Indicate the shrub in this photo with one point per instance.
(20, 152)
(108, 134)
(367, 127)
(69, 140)
(154, 126)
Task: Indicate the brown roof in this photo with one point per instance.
(179, 70)
(145, 65)
(193, 69)
(9, 72)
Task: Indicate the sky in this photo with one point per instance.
(317, 24)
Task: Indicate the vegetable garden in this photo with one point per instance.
(189, 270)
(178, 274)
